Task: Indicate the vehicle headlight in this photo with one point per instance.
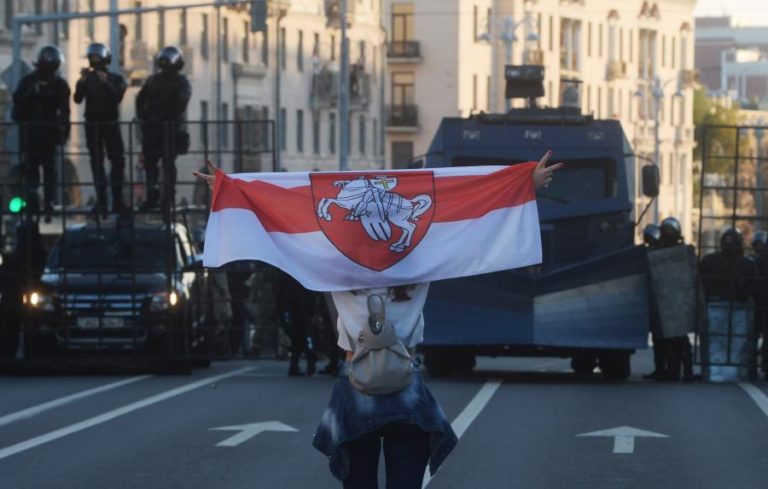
(163, 300)
(39, 300)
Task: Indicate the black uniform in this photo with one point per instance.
(296, 308)
(728, 276)
(102, 101)
(761, 301)
(160, 106)
(41, 107)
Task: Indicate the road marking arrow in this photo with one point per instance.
(248, 431)
(624, 437)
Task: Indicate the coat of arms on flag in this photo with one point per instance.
(375, 220)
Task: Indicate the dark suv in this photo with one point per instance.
(137, 287)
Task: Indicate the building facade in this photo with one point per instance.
(288, 73)
(440, 55)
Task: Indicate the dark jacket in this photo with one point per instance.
(102, 98)
(42, 104)
(728, 276)
(163, 98)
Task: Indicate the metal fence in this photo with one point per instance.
(78, 283)
(732, 193)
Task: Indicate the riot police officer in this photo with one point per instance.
(41, 107)
(103, 91)
(160, 107)
(727, 274)
(760, 258)
(652, 241)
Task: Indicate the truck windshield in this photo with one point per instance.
(89, 249)
(581, 180)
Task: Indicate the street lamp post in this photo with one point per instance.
(508, 38)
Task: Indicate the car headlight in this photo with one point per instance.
(162, 301)
(39, 300)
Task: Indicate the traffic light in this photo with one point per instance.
(258, 15)
(16, 204)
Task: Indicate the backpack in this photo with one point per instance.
(381, 363)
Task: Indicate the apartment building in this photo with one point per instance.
(235, 75)
(446, 57)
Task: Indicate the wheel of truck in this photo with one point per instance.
(615, 364)
(443, 362)
(584, 363)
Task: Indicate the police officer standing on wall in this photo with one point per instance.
(760, 258)
(41, 107)
(103, 91)
(160, 106)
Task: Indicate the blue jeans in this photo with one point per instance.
(406, 452)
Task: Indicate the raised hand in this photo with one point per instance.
(542, 174)
(209, 178)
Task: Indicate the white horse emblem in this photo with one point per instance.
(370, 201)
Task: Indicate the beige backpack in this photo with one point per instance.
(381, 363)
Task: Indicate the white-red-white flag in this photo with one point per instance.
(352, 230)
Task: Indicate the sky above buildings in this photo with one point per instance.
(743, 12)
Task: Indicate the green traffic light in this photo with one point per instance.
(16, 204)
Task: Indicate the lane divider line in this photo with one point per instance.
(115, 413)
(757, 395)
(469, 414)
(46, 406)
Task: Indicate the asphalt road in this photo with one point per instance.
(518, 419)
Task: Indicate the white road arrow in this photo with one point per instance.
(248, 431)
(624, 437)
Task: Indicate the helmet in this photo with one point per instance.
(760, 242)
(731, 240)
(651, 235)
(49, 58)
(98, 55)
(671, 232)
(170, 59)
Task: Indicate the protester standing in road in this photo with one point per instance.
(411, 424)
(102, 92)
(160, 107)
(41, 107)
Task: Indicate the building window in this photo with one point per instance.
(300, 52)
(316, 46)
(282, 123)
(333, 47)
(599, 102)
(673, 60)
(646, 56)
(600, 40)
(246, 48)
(160, 29)
(300, 131)
(375, 137)
(316, 133)
(589, 39)
(663, 51)
(402, 154)
(474, 92)
(225, 39)
(332, 133)
(551, 32)
(204, 46)
(475, 23)
(631, 46)
(63, 26)
(204, 123)
(402, 89)
(621, 44)
(265, 48)
(282, 47)
(183, 27)
(138, 28)
(361, 136)
(488, 101)
(403, 30)
(90, 24)
(570, 49)
(224, 125)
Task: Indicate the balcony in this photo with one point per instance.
(402, 118)
(616, 70)
(325, 90)
(359, 88)
(333, 13)
(404, 52)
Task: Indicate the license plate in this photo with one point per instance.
(95, 323)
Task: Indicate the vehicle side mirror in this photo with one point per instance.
(651, 180)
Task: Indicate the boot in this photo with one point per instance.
(152, 201)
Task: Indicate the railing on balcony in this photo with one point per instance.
(616, 70)
(359, 88)
(325, 90)
(404, 49)
(402, 116)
